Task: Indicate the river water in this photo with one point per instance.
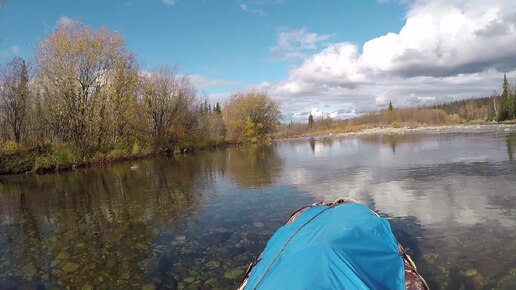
(197, 221)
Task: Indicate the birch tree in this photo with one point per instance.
(168, 101)
(14, 96)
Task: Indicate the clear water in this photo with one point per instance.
(196, 222)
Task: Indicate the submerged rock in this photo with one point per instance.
(478, 281)
(430, 258)
(258, 224)
(148, 287)
(213, 264)
(112, 237)
(29, 272)
(63, 255)
(471, 272)
(71, 267)
(189, 279)
(452, 242)
(87, 287)
(233, 273)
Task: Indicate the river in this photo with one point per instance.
(197, 221)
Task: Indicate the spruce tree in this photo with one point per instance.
(217, 109)
(505, 106)
(310, 120)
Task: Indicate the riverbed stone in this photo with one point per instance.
(471, 272)
(258, 224)
(112, 237)
(452, 242)
(233, 273)
(189, 279)
(478, 281)
(29, 272)
(63, 255)
(87, 287)
(71, 267)
(213, 264)
(430, 258)
(148, 287)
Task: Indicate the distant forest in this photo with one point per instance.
(499, 108)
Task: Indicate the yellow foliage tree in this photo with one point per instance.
(250, 116)
(76, 68)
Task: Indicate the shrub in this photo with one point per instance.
(9, 147)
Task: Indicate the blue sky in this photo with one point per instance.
(325, 56)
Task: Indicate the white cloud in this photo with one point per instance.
(292, 44)
(204, 82)
(168, 2)
(245, 7)
(15, 49)
(10, 51)
(445, 50)
(65, 21)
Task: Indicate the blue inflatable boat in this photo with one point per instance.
(339, 245)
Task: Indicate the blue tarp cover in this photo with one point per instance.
(344, 247)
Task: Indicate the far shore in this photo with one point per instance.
(445, 129)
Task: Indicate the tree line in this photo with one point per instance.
(497, 107)
(85, 89)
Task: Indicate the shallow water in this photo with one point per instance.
(196, 222)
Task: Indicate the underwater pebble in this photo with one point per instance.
(213, 264)
(258, 224)
(471, 272)
(63, 255)
(71, 267)
(148, 287)
(233, 273)
(189, 279)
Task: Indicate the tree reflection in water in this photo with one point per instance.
(255, 166)
(91, 227)
(511, 145)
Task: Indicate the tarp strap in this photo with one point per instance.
(286, 243)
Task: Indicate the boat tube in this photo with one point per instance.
(339, 245)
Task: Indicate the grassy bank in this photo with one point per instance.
(47, 158)
(398, 118)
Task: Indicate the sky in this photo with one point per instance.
(328, 57)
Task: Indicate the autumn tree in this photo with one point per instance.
(14, 96)
(250, 116)
(122, 98)
(76, 66)
(168, 101)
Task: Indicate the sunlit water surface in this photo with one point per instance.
(196, 222)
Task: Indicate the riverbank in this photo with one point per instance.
(52, 158)
(444, 129)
